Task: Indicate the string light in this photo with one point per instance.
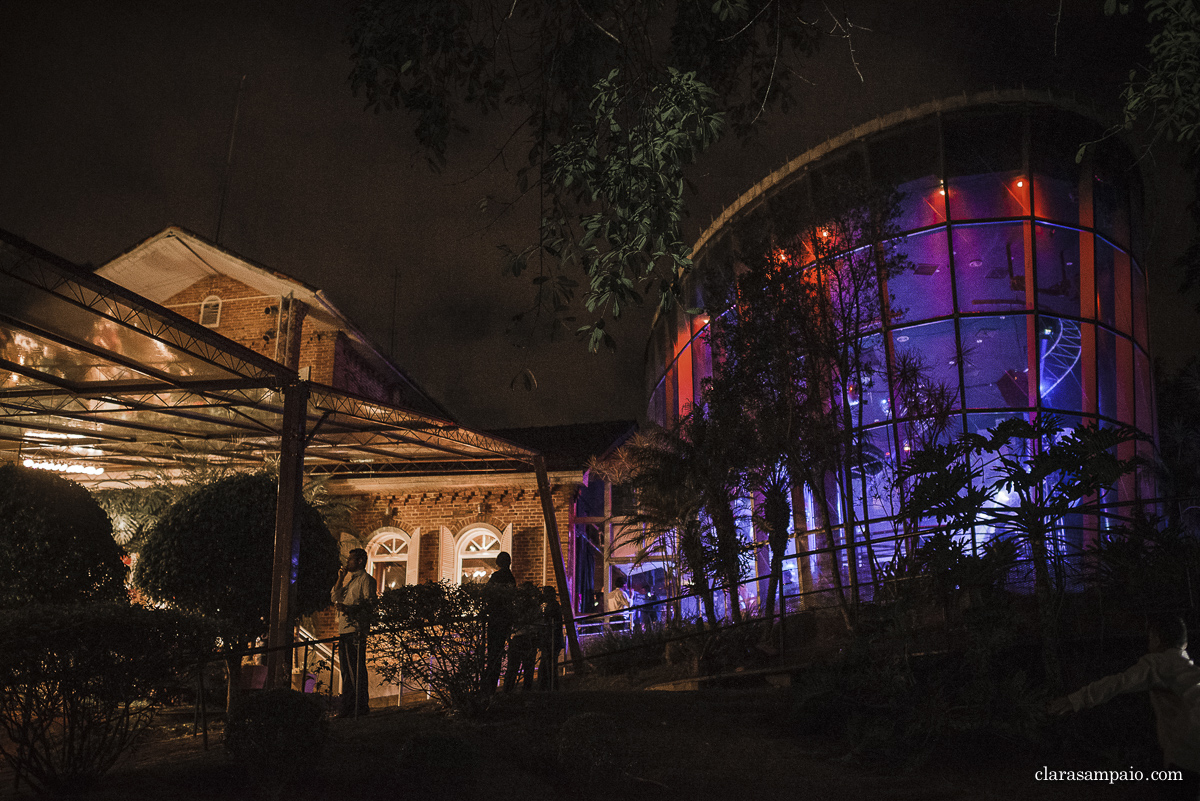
(64, 467)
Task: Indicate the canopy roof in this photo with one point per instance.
(98, 376)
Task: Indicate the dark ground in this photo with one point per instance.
(707, 744)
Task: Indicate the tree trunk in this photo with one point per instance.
(800, 530)
(728, 547)
(775, 513)
(693, 554)
(829, 561)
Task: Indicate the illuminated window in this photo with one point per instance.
(476, 555)
(387, 558)
(210, 312)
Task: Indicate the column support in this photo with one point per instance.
(287, 536)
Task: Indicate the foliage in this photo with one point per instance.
(1166, 96)
(274, 734)
(903, 710)
(56, 543)
(656, 465)
(791, 313)
(211, 553)
(941, 572)
(1022, 479)
(1147, 568)
(1178, 463)
(134, 509)
(616, 102)
(79, 685)
(433, 636)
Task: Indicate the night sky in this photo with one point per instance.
(114, 123)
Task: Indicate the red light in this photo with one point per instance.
(1020, 183)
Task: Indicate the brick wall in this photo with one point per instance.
(458, 509)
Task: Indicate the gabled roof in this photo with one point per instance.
(94, 374)
(174, 259)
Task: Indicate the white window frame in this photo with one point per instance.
(456, 547)
(385, 534)
(212, 301)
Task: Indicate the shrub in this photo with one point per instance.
(274, 734)
(79, 684)
(434, 636)
(56, 543)
(211, 554)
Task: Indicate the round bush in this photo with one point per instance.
(211, 553)
(56, 543)
(97, 671)
(275, 733)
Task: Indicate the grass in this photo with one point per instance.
(708, 744)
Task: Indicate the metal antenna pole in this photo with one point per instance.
(237, 107)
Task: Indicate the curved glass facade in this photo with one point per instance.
(1025, 293)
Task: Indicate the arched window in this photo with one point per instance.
(210, 312)
(476, 554)
(387, 558)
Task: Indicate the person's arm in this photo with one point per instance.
(1136, 679)
(338, 594)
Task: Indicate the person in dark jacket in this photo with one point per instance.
(499, 618)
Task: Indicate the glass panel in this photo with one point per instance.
(1106, 372)
(1057, 251)
(656, 411)
(590, 500)
(989, 267)
(876, 402)
(1060, 368)
(701, 360)
(1139, 306)
(981, 424)
(684, 381)
(1144, 391)
(984, 164)
(875, 474)
(477, 569)
(908, 160)
(997, 194)
(1106, 310)
(1121, 292)
(1125, 380)
(389, 575)
(924, 291)
(1111, 192)
(934, 347)
(924, 203)
(1054, 138)
(995, 361)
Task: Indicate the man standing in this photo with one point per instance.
(352, 588)
(498, 605)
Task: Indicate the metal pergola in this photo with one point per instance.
(101, 379)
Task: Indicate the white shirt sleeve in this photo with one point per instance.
(1135, 679)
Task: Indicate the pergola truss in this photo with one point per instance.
(94, 374)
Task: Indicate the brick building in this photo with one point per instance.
(414, 527)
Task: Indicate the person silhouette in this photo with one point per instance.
(1173, 682)
(499, 619)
